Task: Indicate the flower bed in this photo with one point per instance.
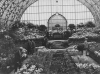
(79, 37)
(94, 51)
(89, 68)
(26, 69)
(49, 62)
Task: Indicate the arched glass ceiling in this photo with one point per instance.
(72, 10)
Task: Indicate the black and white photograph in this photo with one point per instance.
(49, 36)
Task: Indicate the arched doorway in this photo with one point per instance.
(57, 19)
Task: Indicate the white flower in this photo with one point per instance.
(18, 71)
(30, 70)
(21, 69)
(33, 66)
(4, 58)
(40, 69)
(8, 67)
(24, 67)
(37, 71)
(25, 72)
(24, 55)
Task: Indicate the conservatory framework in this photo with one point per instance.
(12, 10)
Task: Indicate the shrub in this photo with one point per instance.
(7, 51)
(57, 25)
(71, 26)
(81, 47)
(90, 24)
(42, 27)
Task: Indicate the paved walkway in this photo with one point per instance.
(84, 59)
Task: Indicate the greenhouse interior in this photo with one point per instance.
(49, 36)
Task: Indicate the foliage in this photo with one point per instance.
(42, 28)
(90, 24)
(3, 25)
(81, 25)
(71, 26)
(89, 68)
(67, 34)
(7, 51)
(57, 25)
(27, 69)
(81, 47)
(16, 25)
(96, 30)
(31, 25)
(52, 62)
(40, 60)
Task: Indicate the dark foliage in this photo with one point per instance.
(30, 46)
(81, 47)
(90, 24)
(71, 26)
(42, 27)
(67, 34)
(57, 25)
(81, 25)
(16, 25)
(31, 25)
(7, 50)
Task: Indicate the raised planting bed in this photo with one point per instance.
(88, 68)
(75, 41)
(79, 37)
(94, 52)
(39, 40)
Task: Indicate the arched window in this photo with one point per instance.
(57, 19)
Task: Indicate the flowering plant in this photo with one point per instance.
(89, 68)
(26, 69)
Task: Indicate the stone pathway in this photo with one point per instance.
(84, 59)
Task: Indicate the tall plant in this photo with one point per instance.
(72, 26)
(42, 28)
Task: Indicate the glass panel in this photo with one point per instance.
(74, 11)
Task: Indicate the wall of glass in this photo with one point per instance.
(39, 12)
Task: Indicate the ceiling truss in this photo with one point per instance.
(12, 10)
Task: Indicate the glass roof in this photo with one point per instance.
(74, 11)
(41, 10)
